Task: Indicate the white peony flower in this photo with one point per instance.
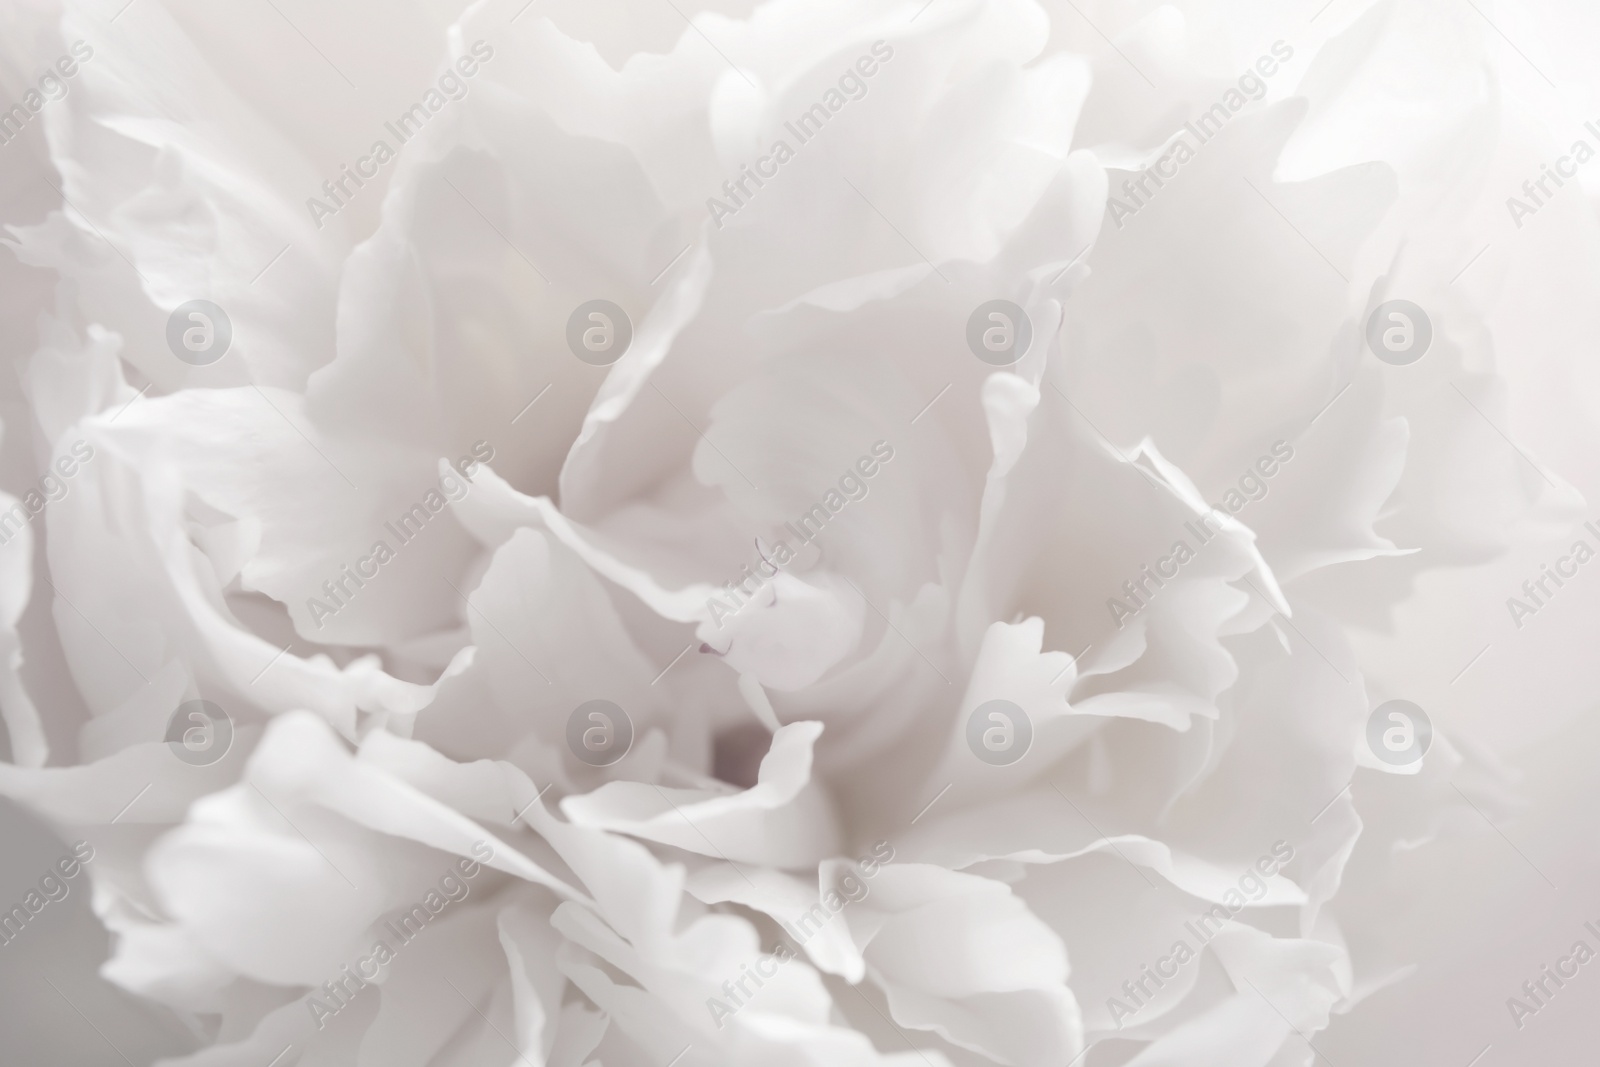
(888, 533)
